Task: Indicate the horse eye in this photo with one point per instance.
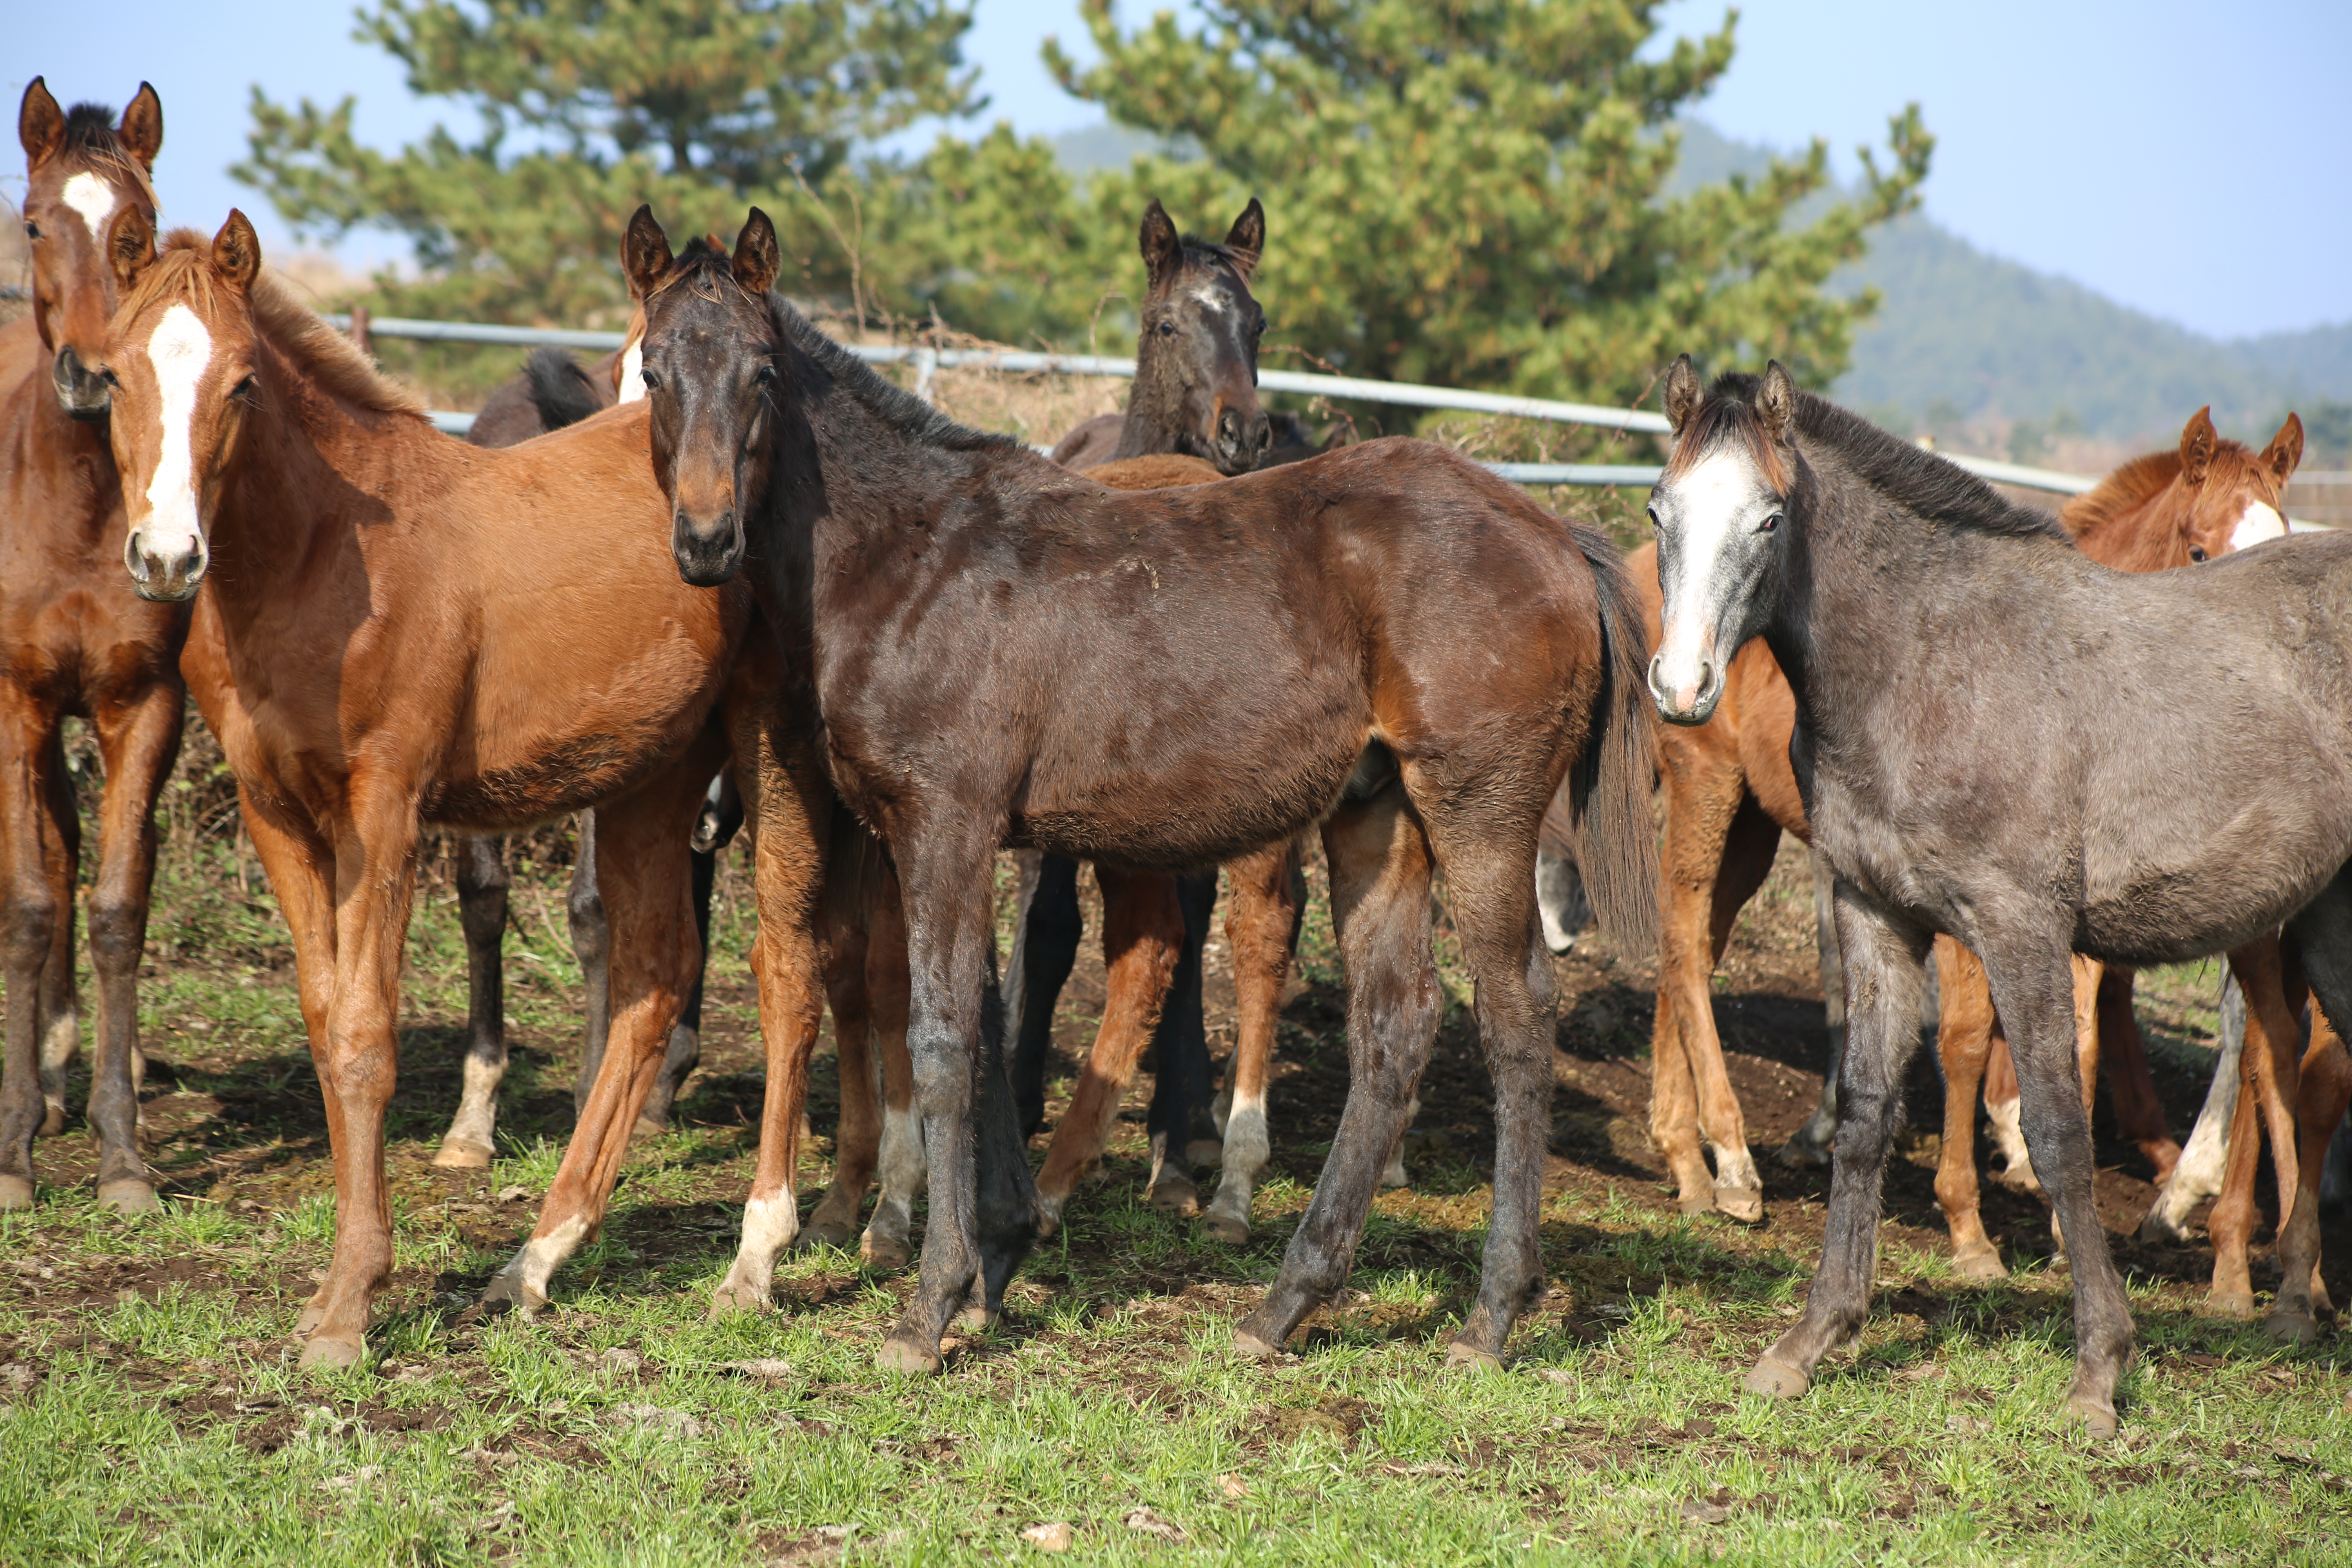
(764, 376)
(32, 231)
(652, 381)
(2196, 553)
(1166, 329)
(1769, 523)
(1654, 518)
(243, 389)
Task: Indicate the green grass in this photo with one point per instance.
(150, 1410)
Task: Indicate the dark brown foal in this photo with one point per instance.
(74, 640)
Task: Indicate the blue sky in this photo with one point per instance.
(2194, 161)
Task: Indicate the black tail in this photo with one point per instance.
(1609, 788)
(560, 389)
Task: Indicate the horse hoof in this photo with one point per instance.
(2156, 1230)
(1979, 1266)
(1470, 1358)
(129, 1197)
(1224, 1227)
(884, 1252)
(1776, 1380)
(462, 1154)
(332, 1352)
(2235, 1305)
(823, 1233)
(1802, 1153)
(1049, 1213)
(736, 1296)
(15, 1192)
(977, 1319)
(2292, 1328)
(905, 1354)
(1176, 1195)
(647, 1128)
(53, 1121)
(2098, 1414)
(1394, 1179)
(1204, 1152)
(1692, 1207)
(1745, 1204)
(1251, 1345)
(508, 1293)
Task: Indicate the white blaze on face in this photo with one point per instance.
(633, 371)
(1211, 298)
(94, 199)
(1710, 498)
(179, 351)
(2258, 522)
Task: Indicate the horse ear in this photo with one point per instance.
(1246, 239)
(142, 130)
(130, 245)
(2285, 451)
(645, 253)
(2198, 441)
(1682, 394)
(756, 260)
(236, 250)
(1776, 402)
(1161, 249)
(40, 125)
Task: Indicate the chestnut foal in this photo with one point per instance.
(75, 640)
(993, 643)
(402, 630)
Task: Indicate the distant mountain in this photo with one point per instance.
(1965, 341)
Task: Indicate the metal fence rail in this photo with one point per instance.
(1401, 394)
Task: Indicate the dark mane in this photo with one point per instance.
(1206, 255)
(913, 417)
(1931, 488)
(89, 128)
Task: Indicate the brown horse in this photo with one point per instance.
(74, 640)
(993, 643)
(384, 646)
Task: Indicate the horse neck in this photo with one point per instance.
(1155, 407)
(844, 476)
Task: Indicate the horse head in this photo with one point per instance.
(707, 361)
(1196, 358)
(2204, 498)
(82, 170)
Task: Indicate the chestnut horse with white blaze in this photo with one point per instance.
(74, 640)
(399, 631)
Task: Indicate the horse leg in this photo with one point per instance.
(1747, 851)
(856, 1142)
(1811, 1146)
(2139, 1112)
(1180, 1093)
(37, 847)
(1260, 914)
(884, 1244)
(983, 1208)
(2002, 1110)
(1701, 808)
(2322, 934)
(1559, 899)
(60, 1013)
(592, 943)
(301, 868)
(482, 884)
(2031, 990)
(1965, 1030)
(375, 873)
(1048, 923)
(789, 803)
(2197, 1175)
(1885, 970)
(642, 883)
(2267, 1091)
(685, 1050)
(1143, 933)
(139, 742)
(1380, 865)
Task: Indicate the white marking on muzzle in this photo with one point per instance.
(2258, 522)
(94, 199)
(1709, 496)
(633, 371)
(179, 351)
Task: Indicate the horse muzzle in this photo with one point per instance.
(1685, 684)
(708, 553)
(81, 392)
(1242, 437)
(165, 574)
